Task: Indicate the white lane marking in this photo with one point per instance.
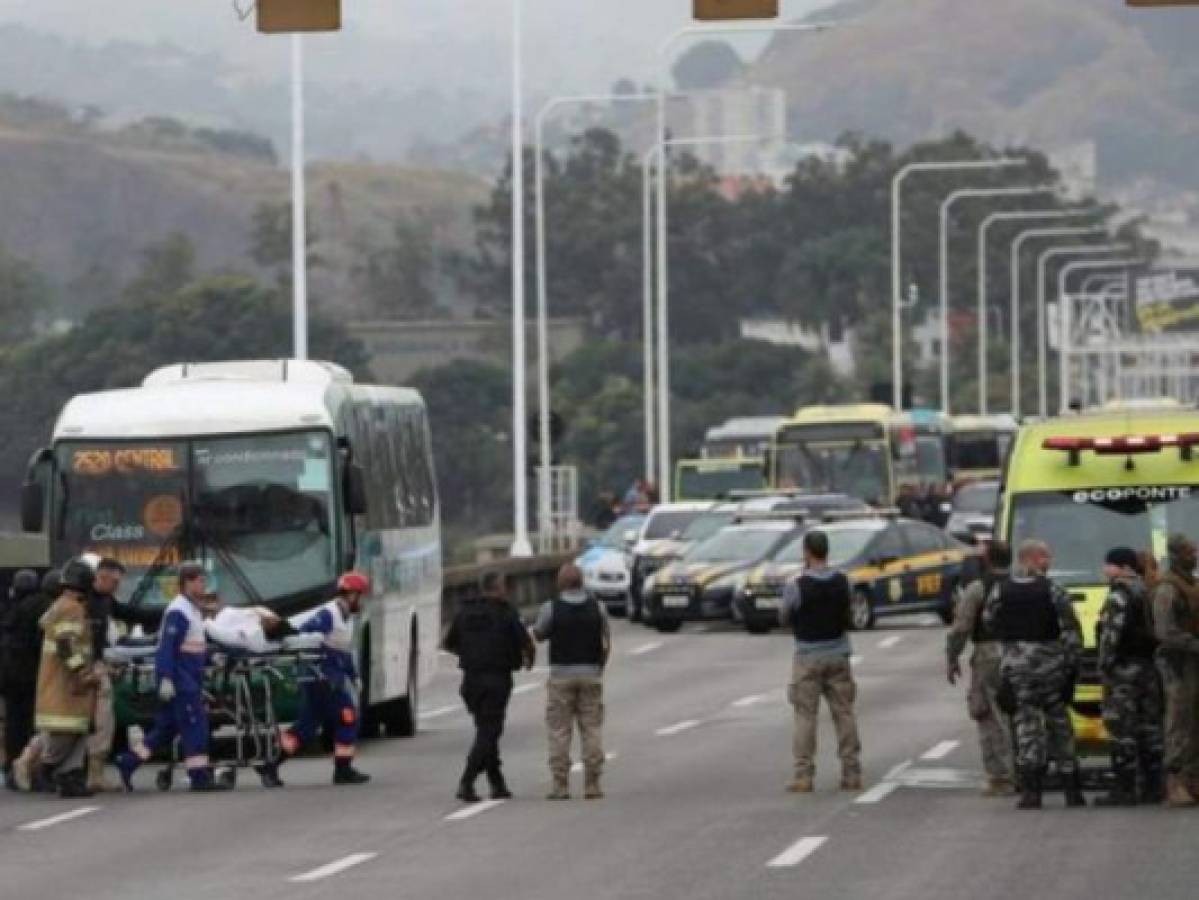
(440, 711)
(578, 766)
(856, 659)
(941, 750)
(677, 728)
(474, 809)
(525, 688)
(879, 792)
(645, 648)
(751, 700)
(888, 642)
(339, 865)
(56, 820)
(796, 853)
(898, 771)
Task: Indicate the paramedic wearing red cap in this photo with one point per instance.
(330, 702)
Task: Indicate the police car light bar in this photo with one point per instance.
(1125, 445)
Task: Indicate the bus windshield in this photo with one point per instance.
(1080, 526)
(258, 510)
(858, 469)
(707, 481)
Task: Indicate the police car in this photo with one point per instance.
(703, 583)
(606, 563)
(656, 545)
(895, 566)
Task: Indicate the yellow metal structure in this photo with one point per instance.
(286, 16)
(720, 10)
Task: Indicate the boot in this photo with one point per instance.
(43, 780)
(999, 787)
(591, 787)
(499, 787)
(466, 792)
(127, 763)
(1153, 788)
(801, 784)
(1123, 791)
(22, 771)
(345, 773)
(203, 782)
(1073, 788)
(851, 781)
(10, 780)
(268, 774)
(1030, 786)
(560, 789)
(72, 785)
(96, 780)
(1177, 794)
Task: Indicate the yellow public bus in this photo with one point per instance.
(1087, 483)
(866, 450)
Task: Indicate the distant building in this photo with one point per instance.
(836, 343)
(396, 350)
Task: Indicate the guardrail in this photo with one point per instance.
(531, 581)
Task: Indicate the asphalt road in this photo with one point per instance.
(700, 736)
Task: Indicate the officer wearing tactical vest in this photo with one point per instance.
(817, 608)
(576, 626)
(491, 643)
(1132, 691)
(1176, 626)
(1042, 640)
(982, 698)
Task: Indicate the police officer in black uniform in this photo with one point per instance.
(491, 643)
(18, 669)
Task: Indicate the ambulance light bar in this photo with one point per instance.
(1125, 445)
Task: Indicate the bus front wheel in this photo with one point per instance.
(400, 716)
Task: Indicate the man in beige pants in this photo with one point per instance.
(576, 627)
(816, 607)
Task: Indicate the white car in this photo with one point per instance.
(607, 563)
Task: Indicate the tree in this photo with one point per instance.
(397, 279)
(167, 267)
(270, 238)
(24, 293)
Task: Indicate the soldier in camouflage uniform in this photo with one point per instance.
(1132, 692)
(982, 699)
(1176, 626)
(1035, 620)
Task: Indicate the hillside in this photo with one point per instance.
(81, 202)
(1019, 71)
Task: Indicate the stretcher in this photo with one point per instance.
(239, 692)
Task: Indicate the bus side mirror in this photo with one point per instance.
(355, 490)
(33, 507)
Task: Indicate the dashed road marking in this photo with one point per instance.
(339, 865)
(677, 728)
(797, 852)
(578, 765)
(941, 750)
(897, 772)
(877, 793)
(440, 711)
(468, 812)
(41, 824)
(751, 700)
(525, 688)
(645, 648)
(888, 642)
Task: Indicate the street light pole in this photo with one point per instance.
(520, 483)
(1017, 246)
(654, 154)
(1042, 337)
(1065, 316)
(897, 300)
(983, 318)
(946, 206)
(663, 251)
(299, 224)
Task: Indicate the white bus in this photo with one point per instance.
(745, 437)
(278, 476)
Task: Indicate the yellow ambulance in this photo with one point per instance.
(1125, 475)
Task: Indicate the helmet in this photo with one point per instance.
(353, 583)
(52, 583)
(24, 583)
(77, 575)
(92, 560)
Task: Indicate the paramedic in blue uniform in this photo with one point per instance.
(330, 702)
(179, 670)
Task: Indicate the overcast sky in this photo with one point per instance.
(578, 44)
